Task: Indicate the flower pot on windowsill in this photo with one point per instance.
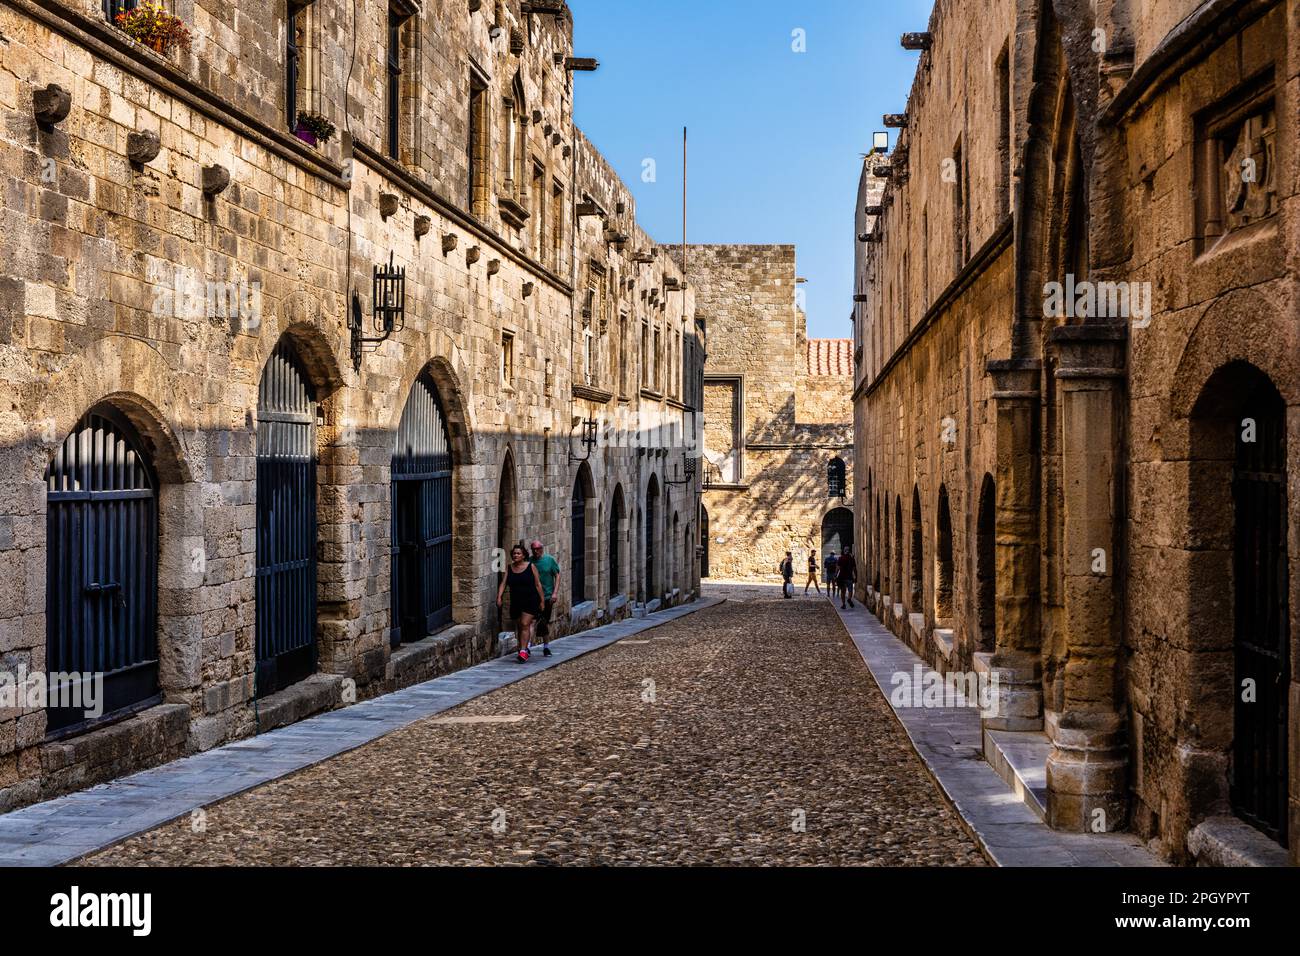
(313, 129)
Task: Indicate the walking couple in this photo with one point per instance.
(841, 573)
(532, 583)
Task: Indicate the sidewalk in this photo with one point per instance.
(66, 828)
(949, 740)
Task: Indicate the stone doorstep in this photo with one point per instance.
(316, 694)
(1227, 841)
(412, 658)
(1020, 759)
(943, 641)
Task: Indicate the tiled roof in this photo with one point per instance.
(830, 357)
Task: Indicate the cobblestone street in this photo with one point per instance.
(707, 740)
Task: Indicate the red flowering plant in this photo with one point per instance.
(153, 26)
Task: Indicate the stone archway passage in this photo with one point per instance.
(704, 542)
(286, 524)
(422, 517)
(102, 569)
(837, 532)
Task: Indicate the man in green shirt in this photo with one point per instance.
(548, 569)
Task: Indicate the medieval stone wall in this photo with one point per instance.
(1085, 454)
(776, 412)
(105, 300)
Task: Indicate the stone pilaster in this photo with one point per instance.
(1087, 772)
(1015, 660)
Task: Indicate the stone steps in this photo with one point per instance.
(1020, 759)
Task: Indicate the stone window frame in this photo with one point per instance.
(507, 360)
(478, 148)
(738, 443)
(401, 131)
(303, 95)
(1230, 112)
(558, 192)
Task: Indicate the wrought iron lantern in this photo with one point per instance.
(388, 308)
(689, 466)
(589, 438)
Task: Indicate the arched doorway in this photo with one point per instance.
(944, 570)
(286, 523)
(1238, 432)
(915, 581)
(617, 515)
(422, 514)
(837, 532)
(582, 492)
(653, 591)
(704, 542)
(101, 589)
(986, 569)
(506, 539)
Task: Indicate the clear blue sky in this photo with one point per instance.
(776, 137)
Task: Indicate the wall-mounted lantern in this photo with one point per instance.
(388, 307)
(588, 439)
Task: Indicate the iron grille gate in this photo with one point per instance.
(615, 575)
(1259, 770)
(578, 544)
(421, 545)
(286, 524)
(651, 584)
(102, 570)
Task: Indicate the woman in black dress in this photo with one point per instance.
(526, 597)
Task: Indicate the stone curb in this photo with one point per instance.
(949, 742)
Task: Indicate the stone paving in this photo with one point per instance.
(747, 733)
(68, 827)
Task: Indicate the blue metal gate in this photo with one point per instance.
(422, 541)
(578, 543)
(286, 524)
(102, 571)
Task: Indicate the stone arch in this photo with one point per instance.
(1240, 327)
(898, 549)
(584, 539)
(316, 338)
(986, 569)
(653, 530)
(944, 570)
(1237, 527)
(136, 381)
(916, 577)
(448, 370)
(617, 553)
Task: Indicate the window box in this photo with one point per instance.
(152, 26)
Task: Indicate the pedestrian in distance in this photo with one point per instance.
(548, 569)
(812, 574)
(787, 576)
(832, 578)
(526, 597)
(847, 568)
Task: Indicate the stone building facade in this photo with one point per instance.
(1078, 402)
(220, 492)
(777, 417)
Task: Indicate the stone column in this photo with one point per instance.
(1016, 659)
(1087, 772)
